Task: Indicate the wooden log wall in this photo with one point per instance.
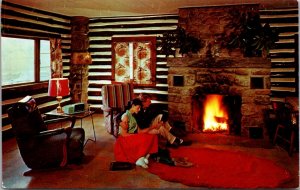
(285, 56)
(21, 21)
(101, 32)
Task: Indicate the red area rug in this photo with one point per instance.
(221, 169)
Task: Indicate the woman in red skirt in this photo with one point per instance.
(133, 144)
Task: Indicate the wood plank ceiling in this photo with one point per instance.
(113, 8)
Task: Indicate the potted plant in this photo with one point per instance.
(187, 43)
(179, 39)
(247, 33)
(168, 41)
(265, 39)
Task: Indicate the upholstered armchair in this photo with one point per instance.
(40, 147)
(115, 98)
(287, 129)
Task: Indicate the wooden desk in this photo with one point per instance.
(80, 116)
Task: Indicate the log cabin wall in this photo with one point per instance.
(284, 57)
(25, 21)
(101, 32)
(21, 21)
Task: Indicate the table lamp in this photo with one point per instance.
(58, 87)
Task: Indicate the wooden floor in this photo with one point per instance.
(94, 172)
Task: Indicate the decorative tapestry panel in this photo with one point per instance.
(134, 60)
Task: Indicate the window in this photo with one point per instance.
(134, 60)
(45, 71)
(18, 60)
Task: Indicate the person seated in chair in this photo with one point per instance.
(134, 144)
(156, 121)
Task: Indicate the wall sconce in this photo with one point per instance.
(58, 87)
(83, 58)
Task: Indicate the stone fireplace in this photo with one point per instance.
(247, 79)
(244, 82)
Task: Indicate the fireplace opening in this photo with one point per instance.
(217, 113)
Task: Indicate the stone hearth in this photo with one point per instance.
(248, 78)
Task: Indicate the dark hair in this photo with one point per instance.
(144, 97)
(135, 102)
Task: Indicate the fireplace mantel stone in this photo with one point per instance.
(241, 62)
(230, 77)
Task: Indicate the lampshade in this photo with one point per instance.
(58, 87)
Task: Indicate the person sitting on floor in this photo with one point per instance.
(149, 117)
(134, 144)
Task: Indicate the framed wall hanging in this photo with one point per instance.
(134, 60)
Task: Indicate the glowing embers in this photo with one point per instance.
(215, 116)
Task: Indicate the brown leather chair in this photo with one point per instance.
(40, 147)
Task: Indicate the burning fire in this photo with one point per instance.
(215, 116)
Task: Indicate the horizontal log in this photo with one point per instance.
(285, 46)
(284, 65)
(292, 19)
(11, 92)
(283, 55)
(134, 32)
(132, 25)
(34, 18)
(98, 70)
(287, 29)
(30, 9)
(18, 32)
(94, 93)
(29, 25)
(279, 11)
(283, 93)
(284, 75)
(132, 18)
(283, 84)
(99, 49)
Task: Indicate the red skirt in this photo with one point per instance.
(131, 148)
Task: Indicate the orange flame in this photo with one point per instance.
(215, 116)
